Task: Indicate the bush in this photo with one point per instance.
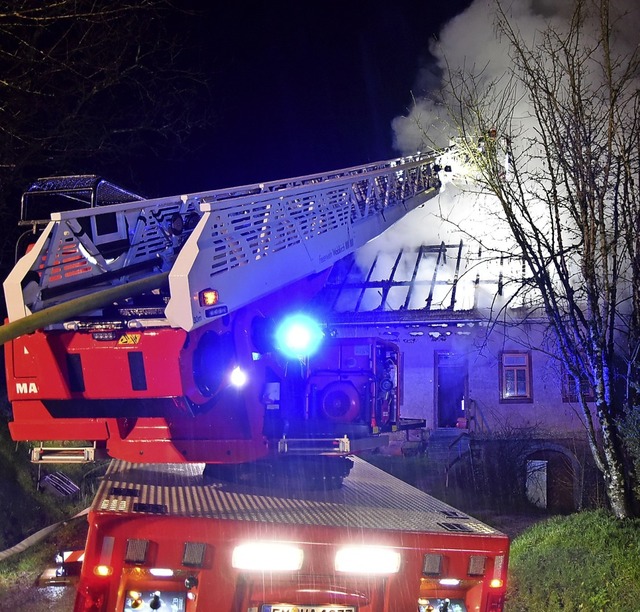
(587, 561)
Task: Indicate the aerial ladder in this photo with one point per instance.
(147, 328)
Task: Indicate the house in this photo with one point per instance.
(476, 362)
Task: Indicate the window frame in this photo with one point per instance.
(570, 393)
(527, 398)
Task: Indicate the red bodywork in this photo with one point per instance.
(161, 394)
(316, 585)
(136, 393)
(434, 542)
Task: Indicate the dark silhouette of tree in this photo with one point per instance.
(91, 87)
(557, 141)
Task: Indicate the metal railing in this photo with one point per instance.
(202, 238)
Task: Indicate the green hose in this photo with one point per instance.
(76, 306)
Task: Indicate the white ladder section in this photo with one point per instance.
(244, 242)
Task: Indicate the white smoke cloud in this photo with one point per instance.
(470, 42)
(457, 213)
(425, 127)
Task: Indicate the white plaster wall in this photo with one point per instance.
(546, 415)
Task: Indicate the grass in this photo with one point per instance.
(586, 561)
(25, 509)
(19, 573)
(69, 536)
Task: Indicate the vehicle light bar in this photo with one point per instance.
(267, 557)
(367, 560)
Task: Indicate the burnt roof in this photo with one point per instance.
(427, 283)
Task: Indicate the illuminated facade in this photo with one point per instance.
(476, 361)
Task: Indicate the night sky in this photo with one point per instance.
(302, 87)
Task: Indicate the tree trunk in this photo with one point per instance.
(618, 488)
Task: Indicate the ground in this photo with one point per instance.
(26, 597)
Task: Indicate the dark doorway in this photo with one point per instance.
(561, 479)
(451, 384)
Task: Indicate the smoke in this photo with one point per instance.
(458, 213)
(471, 43)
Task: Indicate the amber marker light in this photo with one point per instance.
(208, 297)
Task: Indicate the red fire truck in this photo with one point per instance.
(167, 537)
(174, 335)
(169, 330)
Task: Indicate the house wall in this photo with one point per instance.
(545, 415)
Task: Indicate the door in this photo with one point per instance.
(451, 386)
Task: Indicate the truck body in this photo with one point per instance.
(169, 537)
(147, 314)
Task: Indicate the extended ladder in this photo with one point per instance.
(243, 242)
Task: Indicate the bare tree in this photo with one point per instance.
(87, 85)
(557, 141)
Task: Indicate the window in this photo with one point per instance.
(515, 377)
(570, 390)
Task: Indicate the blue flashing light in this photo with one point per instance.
(298, 336)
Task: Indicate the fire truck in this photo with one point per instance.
(169, 537)
(177, 329)
(175, 335)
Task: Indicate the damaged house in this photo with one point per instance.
(476, 366)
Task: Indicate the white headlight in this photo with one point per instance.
(238, 377)
(267, 557)
(367, 560)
